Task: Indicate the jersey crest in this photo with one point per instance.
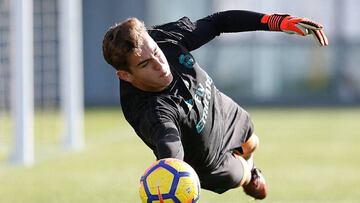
(187, 60)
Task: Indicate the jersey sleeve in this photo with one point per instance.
(195, 34)
(158, 128)
(168, 142)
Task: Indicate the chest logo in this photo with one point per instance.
(187, 60)
(203, 95)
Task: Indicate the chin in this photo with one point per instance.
(169, 78)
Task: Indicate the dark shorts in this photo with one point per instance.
(238, 128)
(227, 176)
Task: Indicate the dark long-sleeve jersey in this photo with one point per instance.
(190, 120)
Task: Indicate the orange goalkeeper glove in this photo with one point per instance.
(295, 25)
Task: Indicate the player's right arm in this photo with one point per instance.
(167, 141)
(156, 124)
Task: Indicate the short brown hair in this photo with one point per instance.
(121, 40)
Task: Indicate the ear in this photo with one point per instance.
(124, 75)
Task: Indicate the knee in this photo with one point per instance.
(250, 146)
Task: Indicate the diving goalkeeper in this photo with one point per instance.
(173, 104)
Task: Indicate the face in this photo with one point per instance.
(150, 70)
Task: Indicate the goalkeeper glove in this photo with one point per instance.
(295, 25)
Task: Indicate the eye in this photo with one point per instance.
(143, 65)
(156, 52)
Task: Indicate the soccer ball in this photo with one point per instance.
(169, 180)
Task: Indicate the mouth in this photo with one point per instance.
(165, 74)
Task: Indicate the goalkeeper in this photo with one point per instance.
(173, 104)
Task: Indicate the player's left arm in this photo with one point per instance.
(242, 21)
(205, 29)
(195, 34)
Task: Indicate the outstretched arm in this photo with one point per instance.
(195, 34)
(232, 21)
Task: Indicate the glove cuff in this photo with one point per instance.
(273, 21)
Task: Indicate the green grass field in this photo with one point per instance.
(307, 155)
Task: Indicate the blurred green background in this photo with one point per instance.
(307, 155)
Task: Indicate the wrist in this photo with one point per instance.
(274, 21)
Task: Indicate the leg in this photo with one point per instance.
(256, 187)
(233, 172)
(248, 148)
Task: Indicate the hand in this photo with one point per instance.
(296, 25)
(304, 26)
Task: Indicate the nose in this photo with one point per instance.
(157, 64)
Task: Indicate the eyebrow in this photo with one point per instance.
(146, 60)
